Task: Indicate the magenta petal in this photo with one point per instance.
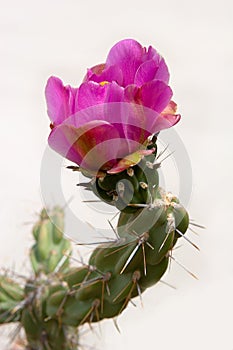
(127, 55)
(93, 146)
(151, 53)
(166, 121)
(156, 95)
(122, 115)
(146, 72)
(152, 70)
(91, 93)
(60, 100)
(162, 72)
(101, 74)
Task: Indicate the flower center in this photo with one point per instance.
(102, 83)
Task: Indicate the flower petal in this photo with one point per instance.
(93, 146)
(127, 55)
(100, 73)
(146, 72)
(91, 93)
(133, 121)
(167, 121)
(151, 70)
(162, 72)
(60, 100)
(156, 95)
(170, 108)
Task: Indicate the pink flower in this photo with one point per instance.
(104, 124)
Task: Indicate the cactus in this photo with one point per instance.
(59, 297)
(108, 127)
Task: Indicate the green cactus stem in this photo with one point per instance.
(58, 297)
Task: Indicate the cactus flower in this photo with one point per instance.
(109, 117)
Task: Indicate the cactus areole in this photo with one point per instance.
(108, 127)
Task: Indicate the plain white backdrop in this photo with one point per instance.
(63, 38)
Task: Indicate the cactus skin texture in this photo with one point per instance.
(58, 297)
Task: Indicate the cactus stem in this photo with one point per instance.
(183, 267)
(187, 239)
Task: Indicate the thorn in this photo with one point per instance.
(166, 157)
(116, 233)
(94, 243)
(107, 289)
(67, 203)
(141, 240)
(162, 152)
(122, 291)
(192, 230)
(135, 278)
(62, 260)
(188, 240)
(89, 312)
(149, 245)
(138, 205)
(115, 215)
(144, 258)
(116, 325)
(168, 284)
(170, 227)
(140, 294)
(72, 167)
(119, 249)
(160, 248)
(131, 302)
(181, 265)
(130, 258)
(197, 225)
(84, 184)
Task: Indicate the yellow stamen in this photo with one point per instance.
(102, 83)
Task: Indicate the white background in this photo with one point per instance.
(41, 38)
